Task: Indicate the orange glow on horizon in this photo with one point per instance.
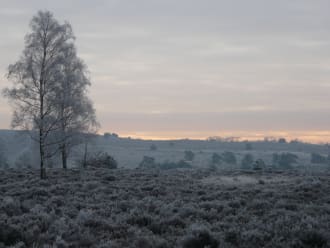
(315, 137)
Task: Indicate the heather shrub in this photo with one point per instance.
(216, 159)
(284, 160)
(259, 164)
(189, 156)
(318, 159)
(101, 159)
(175, 165)
(313, 238)
(232, 237)
(148, 163)
(229, 158)
(153, 147)
(247, 161)
(248, 146)
(9, 235)
(199, 237)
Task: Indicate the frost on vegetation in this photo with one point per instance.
(199, 236)
(163, 208)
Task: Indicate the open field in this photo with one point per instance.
(171, 208)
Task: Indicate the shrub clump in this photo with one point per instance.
(284, 160)
(189, 156)
(216, 159)
(101, 159)
(229, 158)
(148, 163)
(259, 164)
(199, 237)
(175, 165)
(247, 161)
(318, 159)
(313, 238)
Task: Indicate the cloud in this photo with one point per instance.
(257, 59)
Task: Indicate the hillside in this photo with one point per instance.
(129, 152)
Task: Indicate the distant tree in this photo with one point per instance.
(189, 156)
(36, 76)
(229, 157)
(153, 147)
(109, 135)
(247, 161)
(259, 164)
(295, 141)
(318, 159)
(215, 139)
(282, 140)
(284, 160)
(148, 163)
(101, 159)
(216, 159)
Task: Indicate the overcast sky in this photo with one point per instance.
(194, 68)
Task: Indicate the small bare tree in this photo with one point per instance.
(36, 75)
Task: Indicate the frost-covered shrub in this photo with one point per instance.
(84, 216)
(101, 159)
(259, 164)
(174, 165)
(60, 243)
(9, 235)
(148, 163)
(232, 236)
(247, 161)
(318, 159)
(147, 208)
(150, 242)
(142, 242)
(248, 146)
(284, 160)
(255, 237)
(313, 238)
(229, 157)
(140, 220)
(216, 159)
(153, 147)
(199, 237)
(189, 156)
(10, 206)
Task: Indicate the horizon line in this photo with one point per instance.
(319, 137)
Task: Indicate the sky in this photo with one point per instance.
(194, 68)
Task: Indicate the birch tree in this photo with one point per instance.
(35, 77)
(75, 110)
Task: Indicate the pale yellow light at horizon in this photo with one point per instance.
(315, 137)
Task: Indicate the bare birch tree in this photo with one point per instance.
(35, 76)
(74, 109)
